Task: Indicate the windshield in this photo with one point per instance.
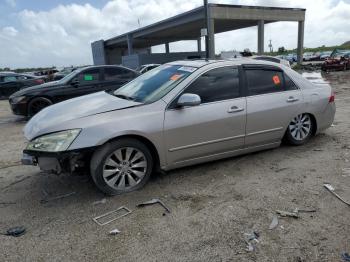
(68, 77)
(154, 84)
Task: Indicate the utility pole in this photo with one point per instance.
(270, 46)
(206, 26)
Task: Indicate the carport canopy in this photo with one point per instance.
(221, 18)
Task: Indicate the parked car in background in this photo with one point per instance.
(274, 59)
(228, 55)
(310, 56)
(11, 82)
(80, 82)
(145, 68)
(325, 55)
(291, 58)
(179, 114)
(65, 71)
(338, 62)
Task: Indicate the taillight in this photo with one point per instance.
(39, 81)
(331, 98)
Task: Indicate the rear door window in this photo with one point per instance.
(289, 84)
(89, 76)
(10, 79)
(262, 81)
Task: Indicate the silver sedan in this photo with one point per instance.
(178, 114)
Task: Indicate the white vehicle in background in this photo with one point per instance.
(145, 68)
(274, 59)
(309, 56)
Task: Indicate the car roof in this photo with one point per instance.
(101, 66)
(236, 61)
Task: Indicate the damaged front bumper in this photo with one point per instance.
(58, 162)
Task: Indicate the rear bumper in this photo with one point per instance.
(327, 117)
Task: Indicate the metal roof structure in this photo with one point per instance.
(188, 25)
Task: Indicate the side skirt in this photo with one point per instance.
(214, 157)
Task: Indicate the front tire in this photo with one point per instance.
(37, 104)
(121, 166)
(299, 130)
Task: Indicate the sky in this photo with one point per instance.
(37, 33)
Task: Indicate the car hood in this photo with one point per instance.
(35, 88)
(58, 114)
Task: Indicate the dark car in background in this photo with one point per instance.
(339, 61)
(80, 82)
(11, 82)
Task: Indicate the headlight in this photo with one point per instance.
(55, 142)
(17, 99)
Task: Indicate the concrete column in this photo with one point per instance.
(211, 36)
(300, 42)
(199, 44)
(129, 41)
(167, 50)
(260, 37)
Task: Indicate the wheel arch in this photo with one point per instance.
(39, 96)
(145, 141)
(314, 123)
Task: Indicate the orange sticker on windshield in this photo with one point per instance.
(175, 77)
(276, 80)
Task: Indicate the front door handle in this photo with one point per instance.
(292, 99)
(234, 109)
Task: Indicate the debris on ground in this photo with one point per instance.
(102, 201)
(346, 172)
(297, 210)
(16, 231)
(345, 256)
(99, 220)
(16, 182)
(251, 239)
(114, 232)
(287, 214)
(7, 203)
(154, 201)
(274, 222)
(48, 199)
(331, 189)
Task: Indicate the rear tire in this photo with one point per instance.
(299, 130)
(37, 104)
(121, 166)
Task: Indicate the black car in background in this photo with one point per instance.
(11, 82)
(80, 82)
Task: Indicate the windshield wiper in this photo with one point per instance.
(125, 97)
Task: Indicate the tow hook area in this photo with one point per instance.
(73, 162)
(28, 160)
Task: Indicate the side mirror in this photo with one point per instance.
(189, 100)
(75, 82)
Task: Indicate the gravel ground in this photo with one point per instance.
(212, 205)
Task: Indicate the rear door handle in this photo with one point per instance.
(292, 99)
(234, 109)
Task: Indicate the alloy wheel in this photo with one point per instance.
(300, 127)
(124, 168)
